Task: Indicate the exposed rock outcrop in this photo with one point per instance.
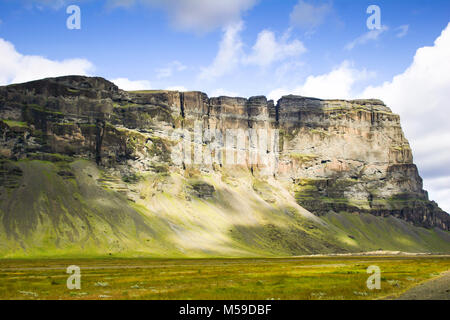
(334, 155)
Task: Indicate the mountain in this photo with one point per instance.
(90, 170)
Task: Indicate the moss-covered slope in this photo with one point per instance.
(61, 209)
(87, 169)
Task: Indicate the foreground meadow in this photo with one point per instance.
(287, 278)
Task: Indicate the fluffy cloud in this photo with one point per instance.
(366, 37)
(177, 88)
(268, 49)
(229, 55)
(197, 15)
(188, 15)
(421, 96)
(337, 84)
(132, 85)
(308, 16)
(16, 67)
(223, 92)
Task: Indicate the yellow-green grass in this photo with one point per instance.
(12, 123)
(283, 278)
(46, 215)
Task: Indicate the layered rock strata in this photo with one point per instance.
(334, 155)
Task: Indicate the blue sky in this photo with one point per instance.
(253, 47)
(145, 39)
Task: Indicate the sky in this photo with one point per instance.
(253, 47)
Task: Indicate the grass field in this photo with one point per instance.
(286, 278)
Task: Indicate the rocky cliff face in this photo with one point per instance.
(332, 155)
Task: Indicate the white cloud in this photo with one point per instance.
(132, 85)
(306, 15)
(402, 31)
(421, 96)
(276, 94)
(16, 67)
(229, 55)
(197, 15)
(366, 37)
(337, 84)
(188, 15)
(177, 88)
(223, 92)
(170, 69)
(268, 49)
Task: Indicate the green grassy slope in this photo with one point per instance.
(64, 209)
(370, 233)
(49, 214)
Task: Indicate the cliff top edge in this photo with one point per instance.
(99, 83)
